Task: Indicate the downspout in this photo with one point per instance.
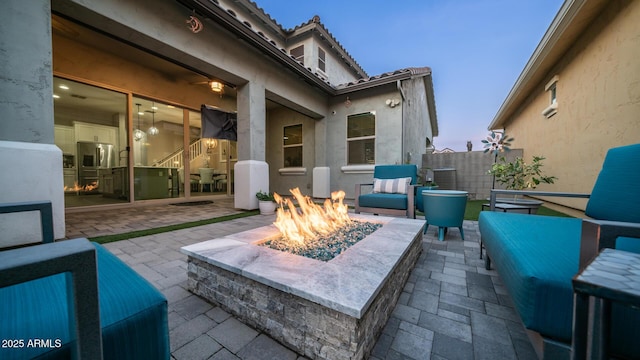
(402, 148)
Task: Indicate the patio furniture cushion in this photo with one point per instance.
(396, 171)
(133, 314)
(536, 266)
(391, 186)
(386, 203)
(615, 195)
(384, 200)
(628, 244)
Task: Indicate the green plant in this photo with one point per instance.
(265, 196)
(518, 175)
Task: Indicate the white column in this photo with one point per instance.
(31, 164)
(251, 171)
(322, 182)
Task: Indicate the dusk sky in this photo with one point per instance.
(475, 48)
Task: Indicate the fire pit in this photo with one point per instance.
(322, 309)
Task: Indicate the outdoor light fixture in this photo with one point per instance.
(216, 86)
(347, 102)
(194, 24)
(137, 133)
(153, 130)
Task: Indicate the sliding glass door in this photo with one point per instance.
(90, 127)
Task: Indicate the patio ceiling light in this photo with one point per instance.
(216, 86)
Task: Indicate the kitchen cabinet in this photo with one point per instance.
(114, 183)
(69, 176)
(64, 138)
(154, 182)
(96, 133)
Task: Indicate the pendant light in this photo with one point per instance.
(153, 130)
(137, 133)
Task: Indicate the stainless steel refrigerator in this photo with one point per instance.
(92, 158)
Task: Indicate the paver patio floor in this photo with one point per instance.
(451, 307)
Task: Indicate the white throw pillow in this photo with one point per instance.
(391, 186)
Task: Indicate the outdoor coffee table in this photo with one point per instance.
(510, 207)
(613, 276)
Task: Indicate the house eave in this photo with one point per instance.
(231, 23)
(572, 18)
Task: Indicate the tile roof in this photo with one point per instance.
(387, 77)
(281, 34)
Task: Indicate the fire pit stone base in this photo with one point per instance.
(323, 310)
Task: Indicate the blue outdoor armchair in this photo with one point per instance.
(393, 191)
(74, 299)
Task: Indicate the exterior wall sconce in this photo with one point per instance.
(347, 102)
(194, 24)
(392, 102)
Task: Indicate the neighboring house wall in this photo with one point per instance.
(598, 96)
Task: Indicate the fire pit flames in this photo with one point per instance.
(77, 188)
(312, 220)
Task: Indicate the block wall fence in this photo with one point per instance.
(465, 171)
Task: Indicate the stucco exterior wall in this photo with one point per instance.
(598, 94)
(31, 163)
(276, 121)
(102, 68)
(416, 120)
(388, 143)
(160, 26)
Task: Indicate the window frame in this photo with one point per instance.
(361, 138)
(322, 60)
(298, 57)
(296, 145)
(552, 89)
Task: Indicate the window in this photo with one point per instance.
(321, 60)
(298, 53)
(551, 88)
(361, 138)
(292, 143)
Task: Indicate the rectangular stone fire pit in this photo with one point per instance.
(323, 310)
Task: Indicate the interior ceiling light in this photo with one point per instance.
(153, 130)
(216, 86)
(137, 133)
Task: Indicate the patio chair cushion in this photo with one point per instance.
(536, 265)
(628, 244)
(391, 186)
(615, 195)
(396, 171)
(133, 314)
(538, 257)
(384, 200)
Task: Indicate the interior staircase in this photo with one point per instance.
(175, 159)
